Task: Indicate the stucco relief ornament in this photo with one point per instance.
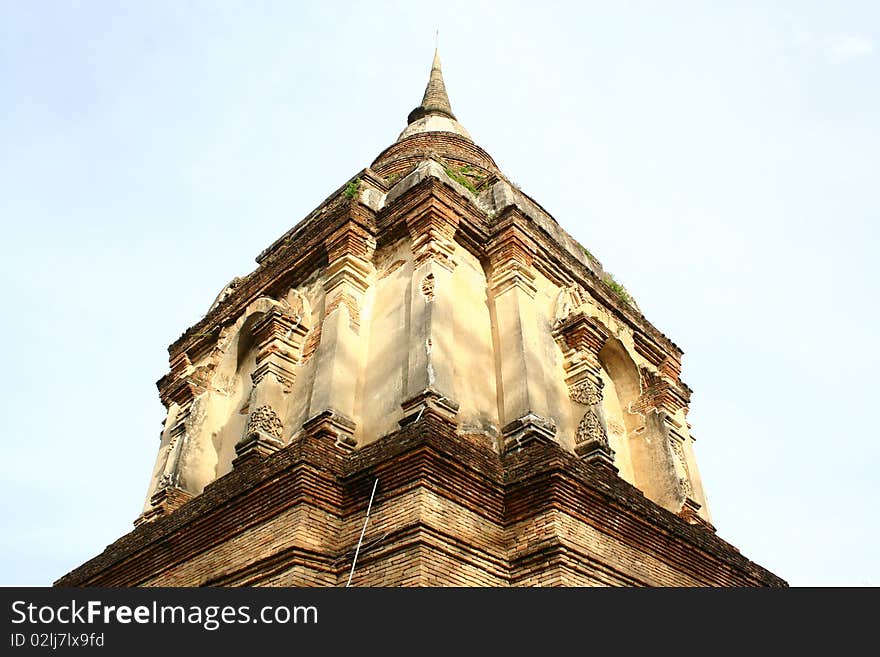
(569, 299)
(167, 479)
(686, 487)
(586, 392)
(591, 428)
(685, 480)
(428, 287)
(265, 420)
(297, 305)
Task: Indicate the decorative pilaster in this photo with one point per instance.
(433, 237)
(162, 503)
(527, 428)
(181, 392)
(177, 435)
(428, 403)
(280, 336)
(512, 288)
(581, 337)
(511, 254)
(690, 512)
(182, 389)
(664, 392)
(661, 393)
(430, 369)
(663, 398)
(341, 353)
(676, 444)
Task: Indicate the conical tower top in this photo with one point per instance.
(434, 114)
(435, 100)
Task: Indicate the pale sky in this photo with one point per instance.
(721, 159)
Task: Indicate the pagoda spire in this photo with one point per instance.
(435, 100)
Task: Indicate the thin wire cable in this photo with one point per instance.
(363, 531)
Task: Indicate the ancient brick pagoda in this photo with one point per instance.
(431, 327)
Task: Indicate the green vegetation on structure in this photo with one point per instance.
(618, 289)
(587, 253)
(459, 177)
(351, 189)
(470, 178)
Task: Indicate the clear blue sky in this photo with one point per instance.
(721, 159)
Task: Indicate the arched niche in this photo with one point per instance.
(622, 388)
(642, 441)
(232, 412)
(227, 404)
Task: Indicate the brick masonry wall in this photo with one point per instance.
(402, 157)
(447, 512)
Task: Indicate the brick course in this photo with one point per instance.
(447, 512)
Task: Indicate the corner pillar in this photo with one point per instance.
(523, 389)
(662, 400)
(430, 361)
(181, 392)
(341, 352)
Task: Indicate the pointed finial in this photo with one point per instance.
(435, 100)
